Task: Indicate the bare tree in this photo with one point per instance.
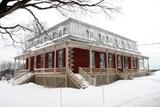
(63, 6)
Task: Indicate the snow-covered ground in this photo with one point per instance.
(140, 92)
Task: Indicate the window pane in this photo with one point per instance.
(102, 60)
(49, 60)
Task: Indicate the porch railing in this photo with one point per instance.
(50, 69)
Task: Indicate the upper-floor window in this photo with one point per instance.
(99, 35)
(115, 43)
(62, 31)
(91, 35)
(122, 44)
(107, 39)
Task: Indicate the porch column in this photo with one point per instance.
(44, 62)
(90, 59)
(23, 62)
(143, 64)
(19, 64)
(106, 58)
(108, 81)
(55, 59)
(29, 62)
(15, 65)
(148, 64)
(35, 60)
(131, 62)
(66, 56)
(123, 62)
(116, 61)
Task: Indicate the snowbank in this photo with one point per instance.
(140, 92)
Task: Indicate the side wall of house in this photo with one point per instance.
(80, 59)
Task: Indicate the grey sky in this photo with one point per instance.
(139, 21)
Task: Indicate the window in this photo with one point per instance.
(60, 58)
(49, 60)
(122, 44)
(111, 60)
(126, 62)
(93, 59)
(134, 63)
(99, 35)
(87, 33)
(107, 39)
(91, 35)
(102, 60)
(60, 33)
(41, 61)
(64, 30)
(115, 43)
(119, 62)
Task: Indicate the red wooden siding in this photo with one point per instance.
(27, 63)
(97, 59)
(80, 59)
(32, 63)
(129, 62)
(38, 61)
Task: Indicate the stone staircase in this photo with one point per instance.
(78, 80)
(22, 78)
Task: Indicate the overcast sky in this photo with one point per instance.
(139, 20)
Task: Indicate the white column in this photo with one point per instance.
(15, 65)
(131, 62)
(148, 64)
(66, 56)
(115, 60)
(35, 60)
(143, 63)
(108, 81)
(23, 62)
(29, 62)
(107, 58)
(90, 59)
(19, 63)
(123, 61)
(55, 59)
(44, 61)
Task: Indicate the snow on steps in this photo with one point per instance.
(21, 79)
(84, 81)
(77, 79)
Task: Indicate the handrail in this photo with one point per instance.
(87, 76)
(19, 75)
(74, 79)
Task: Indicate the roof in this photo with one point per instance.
(85, 24)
